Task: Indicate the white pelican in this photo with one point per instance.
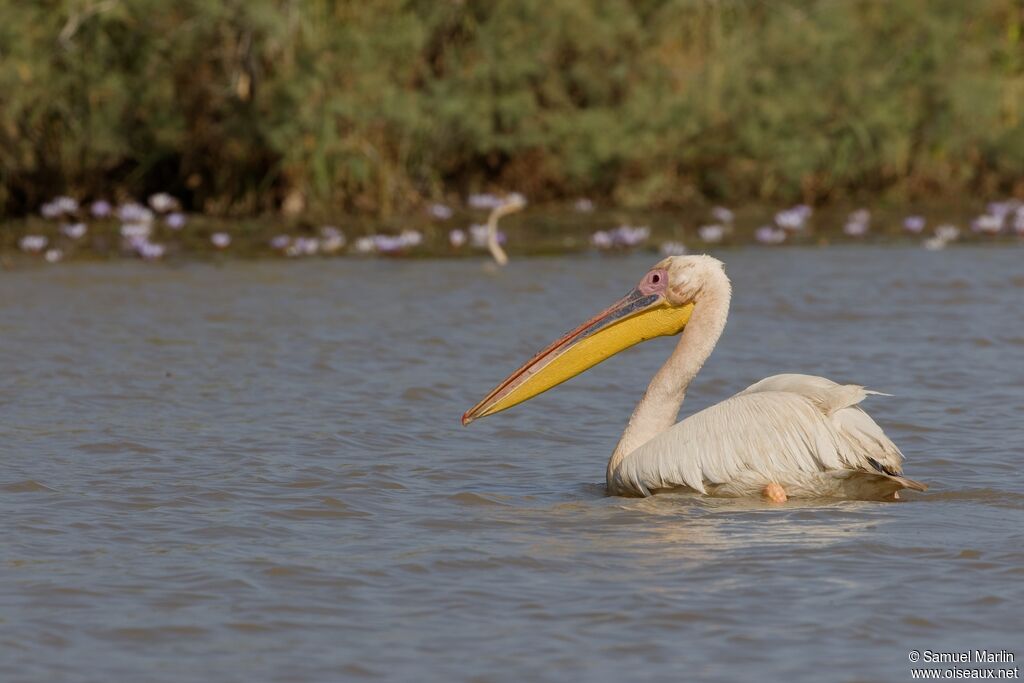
(787, 435)
(510, 204)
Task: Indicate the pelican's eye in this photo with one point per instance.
(654, 282)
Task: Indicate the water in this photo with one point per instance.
(256, 472)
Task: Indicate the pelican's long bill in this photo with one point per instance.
(635, 318)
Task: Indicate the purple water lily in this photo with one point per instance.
(989, 224)
(66, 204)
(478, 236)
(712, 234)
(101, 208)
(136, 230)
(914, 224)
(59, 206)
(583, 205)
(175, 220)
(622, 237)
(388, 244)
(440, 211)
(629, 236)
(1003, 209)
(722, 215)
(365, 245)
(484, 200)
(303, 246)
(947, 232)
(332, 239)
(411, 238)
(769, 234)
(33, 244)
(794, 218)
(134, 213)
(457, 237)
(50, 211)
(602, 239)
(150, 251)
(74, 231)
(161, 202)
(858, 223)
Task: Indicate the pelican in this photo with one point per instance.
(511, 204)
(786, 436)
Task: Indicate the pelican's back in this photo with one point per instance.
(806, 433)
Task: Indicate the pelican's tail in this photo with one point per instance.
(860, 485)
(911, 484)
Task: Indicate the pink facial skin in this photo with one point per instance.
(655, 282)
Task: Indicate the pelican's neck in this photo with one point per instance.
(659, 408)
(497, 213)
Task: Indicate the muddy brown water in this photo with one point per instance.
(256, 471)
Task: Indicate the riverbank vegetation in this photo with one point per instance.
(318, 108)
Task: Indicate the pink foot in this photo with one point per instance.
(775, 493)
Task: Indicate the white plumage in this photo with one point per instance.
(805, 433)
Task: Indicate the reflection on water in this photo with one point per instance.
(256, 472)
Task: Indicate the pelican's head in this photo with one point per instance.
(659, 305)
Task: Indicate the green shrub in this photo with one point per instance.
(373, 106)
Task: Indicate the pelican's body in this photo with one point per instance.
(787, 435)
(805, 434)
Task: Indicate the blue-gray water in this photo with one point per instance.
(256, 472)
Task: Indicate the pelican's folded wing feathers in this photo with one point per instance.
(782, 427)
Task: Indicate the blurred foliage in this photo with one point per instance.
(372, 106)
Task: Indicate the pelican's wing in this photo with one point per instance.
(840, 401)
(782, 425)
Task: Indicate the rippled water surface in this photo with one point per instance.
(256, 471)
